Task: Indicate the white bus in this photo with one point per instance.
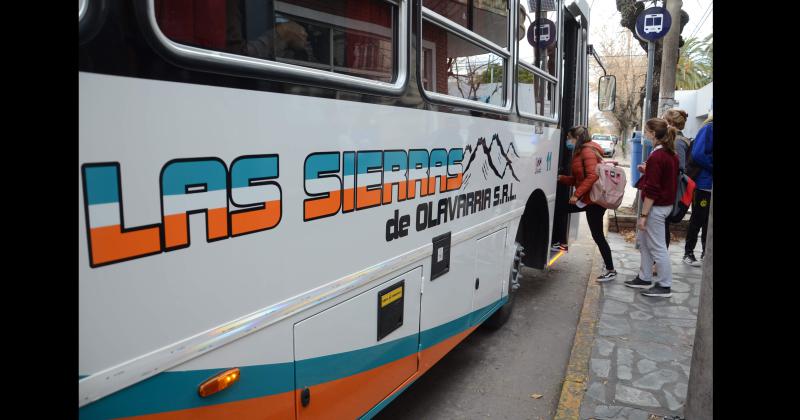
(294, 208)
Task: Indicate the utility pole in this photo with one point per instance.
(669, 57)
(699, 395)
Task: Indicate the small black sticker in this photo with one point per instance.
(390, 308)
(440, 261)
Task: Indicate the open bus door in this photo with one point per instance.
(575, 111)
(574, 107)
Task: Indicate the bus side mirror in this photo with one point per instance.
(606, 93)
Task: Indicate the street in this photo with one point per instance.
(492, 374)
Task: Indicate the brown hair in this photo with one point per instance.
(581, 135)
(676, 118)
(664, 133)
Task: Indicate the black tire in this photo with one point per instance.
(501, 316)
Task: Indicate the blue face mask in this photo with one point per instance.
(570, 145)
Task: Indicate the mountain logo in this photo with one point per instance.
(489, 158)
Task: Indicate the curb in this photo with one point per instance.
(569, 404)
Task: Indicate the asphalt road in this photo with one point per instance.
(492, 374)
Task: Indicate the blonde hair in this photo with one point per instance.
(676, 118)
(665, 133)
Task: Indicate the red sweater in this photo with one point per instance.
(660, 178)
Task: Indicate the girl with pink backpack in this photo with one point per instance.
(585, 159)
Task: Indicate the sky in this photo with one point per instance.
(605, 12)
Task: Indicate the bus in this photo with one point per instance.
(294, 208)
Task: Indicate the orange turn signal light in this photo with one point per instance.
(219, 382)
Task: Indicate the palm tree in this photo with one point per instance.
(695, 64)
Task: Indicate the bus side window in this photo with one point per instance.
(454, 63)
(355, 37)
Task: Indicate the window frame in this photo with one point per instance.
(507, 54)
(549, 78)
(208, 59)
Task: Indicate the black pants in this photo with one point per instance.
(699, 219)
(594, 215)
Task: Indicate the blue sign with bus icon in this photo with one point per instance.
(653, 23)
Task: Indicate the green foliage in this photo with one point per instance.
(695, 64)
(493, 72)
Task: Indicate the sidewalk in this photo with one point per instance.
(642, 349)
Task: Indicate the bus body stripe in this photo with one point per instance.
(270, 388)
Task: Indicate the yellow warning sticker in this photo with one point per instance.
(391, 296)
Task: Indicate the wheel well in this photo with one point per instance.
(533, 232)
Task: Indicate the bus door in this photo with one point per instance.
(574, 111)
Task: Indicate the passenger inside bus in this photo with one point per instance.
(289, 39)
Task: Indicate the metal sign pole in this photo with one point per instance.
(648, 93)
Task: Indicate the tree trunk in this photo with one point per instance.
(669, 59)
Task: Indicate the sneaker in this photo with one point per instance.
(691, 260)
(557, 247)
(638, 283)
(658, 291)
(607, 275)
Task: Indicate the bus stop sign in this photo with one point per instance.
(653, 23)
(542, 33)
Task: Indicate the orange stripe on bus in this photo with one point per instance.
(320, 207)
(255, 220)
(454, 183)
(387, 191)
(412, 187)
(109, 243)
(217, 223)
(176, 227)
(349, 200)
(367, 198)
(350, 397)
(433, 354)
(272, 407)
(432, 184)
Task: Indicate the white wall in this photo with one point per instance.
(696, 103)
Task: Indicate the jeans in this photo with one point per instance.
(699, 219)
(653, 248)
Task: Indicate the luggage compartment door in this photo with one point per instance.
(351, 356)
(489, 273)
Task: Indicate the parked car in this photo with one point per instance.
(606, 141)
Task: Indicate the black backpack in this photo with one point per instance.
(692, 168)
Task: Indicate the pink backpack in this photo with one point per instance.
(609, 188)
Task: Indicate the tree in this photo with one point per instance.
(472, 71)
(695, 64)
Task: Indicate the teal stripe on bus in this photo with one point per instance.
(177, 174)
(170, 391)
(483, 312)
(253, 167)
(377, 409)
(436, 335)
(337, 366)
(102, 183)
